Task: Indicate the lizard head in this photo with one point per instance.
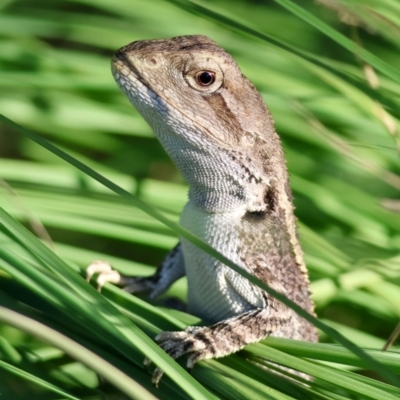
(208, 116)
(192, 80)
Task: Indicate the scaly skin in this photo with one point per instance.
(217, 130)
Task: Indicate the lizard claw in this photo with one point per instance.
(105, 271)
(157, 375)
(176, 344)
(146, 362)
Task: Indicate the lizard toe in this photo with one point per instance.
(177, 344)
(105, 273)
(157, 375)
(97, 267)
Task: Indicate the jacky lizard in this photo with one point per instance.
(216, 128)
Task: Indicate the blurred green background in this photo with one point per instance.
(337, 114)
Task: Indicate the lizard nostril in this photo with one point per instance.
(151, 61)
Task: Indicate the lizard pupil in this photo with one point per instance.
(205, 78)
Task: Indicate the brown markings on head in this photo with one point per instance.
(223, 112)
(179, 43)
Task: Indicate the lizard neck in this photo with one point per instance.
(216, 183)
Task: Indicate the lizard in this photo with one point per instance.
(215, 126)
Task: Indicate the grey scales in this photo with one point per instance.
(214, 125)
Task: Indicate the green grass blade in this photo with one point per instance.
(353, 47)
(330, 375)
(34, 379)
(78, 298)
(192, 238)
(116, 377)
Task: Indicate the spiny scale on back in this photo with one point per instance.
(216, 128)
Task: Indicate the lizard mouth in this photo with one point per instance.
(123, 70)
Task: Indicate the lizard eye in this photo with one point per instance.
(205, 78)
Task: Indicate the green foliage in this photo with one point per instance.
(333, 90)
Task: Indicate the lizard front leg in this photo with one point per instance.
(225, 337)
(170, 270)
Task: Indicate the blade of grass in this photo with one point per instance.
(380, 65)
(332, 353)
(331, 375)
(127, 385)
(348, 44)
(93, 311)
(34, 379)
(385, 372)
(52, 319)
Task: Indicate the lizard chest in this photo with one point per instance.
(215, 291)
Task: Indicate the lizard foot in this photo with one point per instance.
(195, 341)
(131, 284)
(105, 271)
